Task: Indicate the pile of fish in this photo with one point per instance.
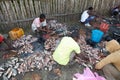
(25, 39)
(51, 44)
(38, 60)
(23, 44)
(59, 28)
(43, 59)
(89, 55)
(9, 69)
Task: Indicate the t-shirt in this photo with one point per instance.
(36, 23)
(84, 16)
(64, 50)
(113, 58)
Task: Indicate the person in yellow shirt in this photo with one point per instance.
(67, 45)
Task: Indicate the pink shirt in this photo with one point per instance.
(36, 23)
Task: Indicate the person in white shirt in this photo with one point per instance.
(87, 16)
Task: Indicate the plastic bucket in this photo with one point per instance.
(96, 35)
(16, 33)
(104, 27)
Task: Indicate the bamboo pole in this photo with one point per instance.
(27, 8)
(31, 8)
(37, 10)
(40, 7)
(17, 9)
(4, 11)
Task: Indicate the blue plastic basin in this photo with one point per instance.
(96, 35)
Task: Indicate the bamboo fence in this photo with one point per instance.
(20, 13)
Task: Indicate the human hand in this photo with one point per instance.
(98, 66)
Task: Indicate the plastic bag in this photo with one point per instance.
(104, 27)
(87, 75)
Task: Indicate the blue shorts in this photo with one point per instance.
(89, 19)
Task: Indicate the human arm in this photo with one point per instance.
(35, 25)
(111, 58)
(77, 48)
(45, 29)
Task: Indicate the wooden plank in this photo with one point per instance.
(1, 15)
(53, 6)
(80, 7)
(28, 13)
(13, 10)
(27, 8)
(85, 5)
(4, 10)
(45, 7)
(56, 7)
(1, 19)
(17, 9)
(9, 10)
(76, 6)
(31, 8)
(48, 8)
(23, 10)
(97, 3)
(18, 12)
(37, 9)
(11, 14)
(40, 7)
(71, 6)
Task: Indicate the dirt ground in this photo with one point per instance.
(67, 72)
